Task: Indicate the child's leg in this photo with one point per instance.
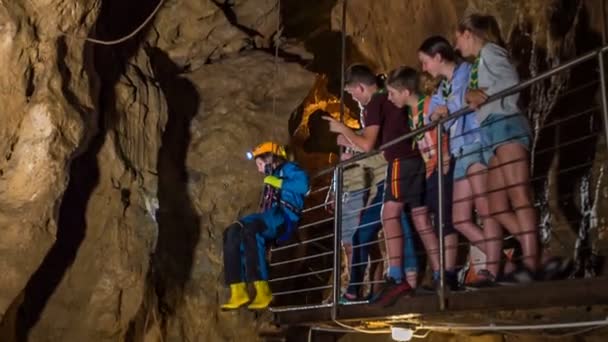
(356, 269)
(361, 241)
(348, 250)
(492, 231)
(462, 214)
(513, 160)
(233, 265)
(422, 222)
(393, 234)
(255, 250)
(432, 201)
(506, 139)
(449, 232)
(351, 218)
(406, 185)
(366, 233)
(410, 261)
(376, 267)
(232, 254)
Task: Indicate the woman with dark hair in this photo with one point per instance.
(439, 59)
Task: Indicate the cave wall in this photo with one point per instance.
(49, 109)
(132, 250)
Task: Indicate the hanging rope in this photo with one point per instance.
(277, 42)
(343, 62)
(125, 38)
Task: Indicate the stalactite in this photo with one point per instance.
(581, 247)
(594, 220)
(545, 215)
(546, 94)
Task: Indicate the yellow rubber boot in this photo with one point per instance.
(263, 296)
(238, 297)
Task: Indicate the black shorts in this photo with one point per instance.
(405, 182)
(432, 199)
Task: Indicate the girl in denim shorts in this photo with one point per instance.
(505, 131)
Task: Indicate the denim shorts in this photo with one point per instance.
(501, 129)
(467, 156)
(352, 206)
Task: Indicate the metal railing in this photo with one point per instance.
(317, 236)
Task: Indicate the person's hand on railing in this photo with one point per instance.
(345, 156)
(439, 113)
(475, 97)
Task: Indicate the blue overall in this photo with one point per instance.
(245, 240)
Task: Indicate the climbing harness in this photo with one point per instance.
(272, 197)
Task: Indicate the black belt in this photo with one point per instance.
(288, 205)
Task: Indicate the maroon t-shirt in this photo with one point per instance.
(393, 124)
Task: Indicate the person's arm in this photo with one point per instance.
(373, 118)
(497, 73)
(365, 142)
(295, 180)
(460, 84)
(437, 108)
(343, 141)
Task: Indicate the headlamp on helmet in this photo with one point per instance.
(267, 147)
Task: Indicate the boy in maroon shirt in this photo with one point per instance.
(405, 178)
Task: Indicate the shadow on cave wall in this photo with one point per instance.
(573, 141)
(178, 221)
(114, 20)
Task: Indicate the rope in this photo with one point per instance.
(277, 42)
(125, 38)
(343, 62)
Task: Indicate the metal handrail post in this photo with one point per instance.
(337, 239)
(440, 217)
(600, 58)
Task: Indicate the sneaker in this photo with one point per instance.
(451, 282)
(519, 276)
(556, 268)
(485, 279)
(349, 298)
(390, 292)
(373, 297)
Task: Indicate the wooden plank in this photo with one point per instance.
(577, 292)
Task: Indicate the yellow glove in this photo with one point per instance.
(273, 181)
